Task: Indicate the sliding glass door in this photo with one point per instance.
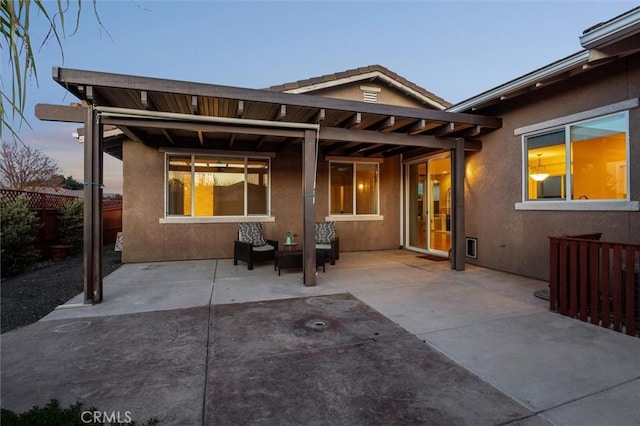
(428, 190)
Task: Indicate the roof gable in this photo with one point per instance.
(364, 75)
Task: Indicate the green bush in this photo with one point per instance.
(18, 226)
(54, 415)
(70, 224)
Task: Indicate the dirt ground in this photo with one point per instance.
(30, 296)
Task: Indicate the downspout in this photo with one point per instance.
(402, 201)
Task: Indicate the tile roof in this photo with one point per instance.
(354, 73)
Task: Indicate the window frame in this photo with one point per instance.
(354, 216)
(565, 124)
(193, 218)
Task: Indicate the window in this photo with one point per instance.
(353, 188)
(205, 186)
(579, 161)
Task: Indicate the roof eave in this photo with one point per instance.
(612, 31)
(575, 61)
(366, 76)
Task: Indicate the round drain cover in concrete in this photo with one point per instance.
(317, 324)
(319, 301)
(72, 327)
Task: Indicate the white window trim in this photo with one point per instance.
(214, 219)
(580, 205)
(578, 117)
(354, 217)
(564, 123)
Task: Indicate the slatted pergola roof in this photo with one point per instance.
(167, 113)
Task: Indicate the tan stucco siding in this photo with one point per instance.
(516, 240)
(146, 239)
(387, 95)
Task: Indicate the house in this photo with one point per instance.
(579, 118)
(391, 163)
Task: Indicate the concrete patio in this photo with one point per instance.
(385, 337)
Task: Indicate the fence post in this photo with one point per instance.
(630, 296)
(594, 265)
(553, 276)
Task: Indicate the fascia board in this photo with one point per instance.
(613, 31)
(571, 62)
(367, 76)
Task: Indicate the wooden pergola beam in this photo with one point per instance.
(67, 114)
(371, 136)
(309, 161)
(457, 213)
(93, 180)
(319, 116)
(422, 126)
(377, 149)
(204, 127)
(352, 121)
(93, 184)
(358, 148)
(445, 130)
(240, 110)
(194, 105)
(71, 79)
(387, 123)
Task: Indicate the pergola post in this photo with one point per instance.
(93, 165)
(309, 208)
(457, 252)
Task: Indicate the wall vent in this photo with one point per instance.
(471, 247)
(371, 97)
(370, 94)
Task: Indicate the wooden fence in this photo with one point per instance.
(46, 207)
(111, 221)
(596, 282)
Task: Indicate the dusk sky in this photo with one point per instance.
(455, 49)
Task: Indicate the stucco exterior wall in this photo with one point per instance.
(516, 240)
(388, 95)
(146, 239)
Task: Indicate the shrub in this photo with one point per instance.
(18, 225)
(70, 224)
(54, 415)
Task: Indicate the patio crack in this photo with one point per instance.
(206, 358)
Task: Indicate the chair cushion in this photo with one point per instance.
(252, 233)
(323, 246)
(266, 247)
(325, 232)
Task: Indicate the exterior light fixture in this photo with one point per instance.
(539, 172)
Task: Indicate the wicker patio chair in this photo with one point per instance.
(327, 241)
(251, 245)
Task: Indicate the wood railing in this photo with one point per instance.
(596, 282)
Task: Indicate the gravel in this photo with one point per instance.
(30, 296)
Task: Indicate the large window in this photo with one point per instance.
(579, 162)
(353, 188)
(201, 185)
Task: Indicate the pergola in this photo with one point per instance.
(169, 114)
